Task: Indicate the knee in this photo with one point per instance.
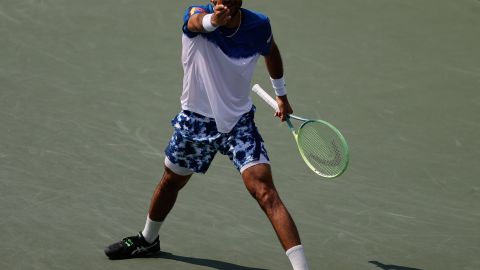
(267, 197)
(259, 182)
(172, 182)
(167, 184)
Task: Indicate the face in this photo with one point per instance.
(233, 5)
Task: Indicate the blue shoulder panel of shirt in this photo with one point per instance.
(254, 35)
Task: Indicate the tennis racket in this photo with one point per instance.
(321, 145)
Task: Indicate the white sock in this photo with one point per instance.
(150, 232)
(296, 255)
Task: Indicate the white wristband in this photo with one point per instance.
(279, 86)
(207, 23)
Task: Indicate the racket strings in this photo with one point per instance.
(322, 148)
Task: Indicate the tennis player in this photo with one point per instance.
(221, 45)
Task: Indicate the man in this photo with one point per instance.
(221, 45)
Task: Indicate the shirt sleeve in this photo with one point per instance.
(189, 12)
(267, 38)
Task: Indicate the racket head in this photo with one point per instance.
(323, 148)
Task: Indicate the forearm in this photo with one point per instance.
(195, 23)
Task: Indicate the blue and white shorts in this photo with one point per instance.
(195, 141)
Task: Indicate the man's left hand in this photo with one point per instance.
(284, 108)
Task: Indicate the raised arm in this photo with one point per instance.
(220, 17)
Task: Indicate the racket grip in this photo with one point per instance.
(266, 97)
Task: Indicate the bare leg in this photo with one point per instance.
(165, 194)
(147, 241)
(259, 182)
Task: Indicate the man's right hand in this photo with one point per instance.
(221, 15)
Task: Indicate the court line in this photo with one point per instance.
(44, 53)
(8, 17)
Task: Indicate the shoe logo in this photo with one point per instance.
(139, 250)
(128, 242)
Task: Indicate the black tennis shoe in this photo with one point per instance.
(132, 247)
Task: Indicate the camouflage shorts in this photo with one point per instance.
(195, 141)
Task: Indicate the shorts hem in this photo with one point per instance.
(177, 169)
(261, 160)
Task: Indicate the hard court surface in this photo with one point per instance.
(87, 90)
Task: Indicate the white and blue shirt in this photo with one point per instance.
(218, 66)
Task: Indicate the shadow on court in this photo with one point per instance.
(203, 262)
(392, 266)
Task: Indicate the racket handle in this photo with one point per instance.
(266, 97)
